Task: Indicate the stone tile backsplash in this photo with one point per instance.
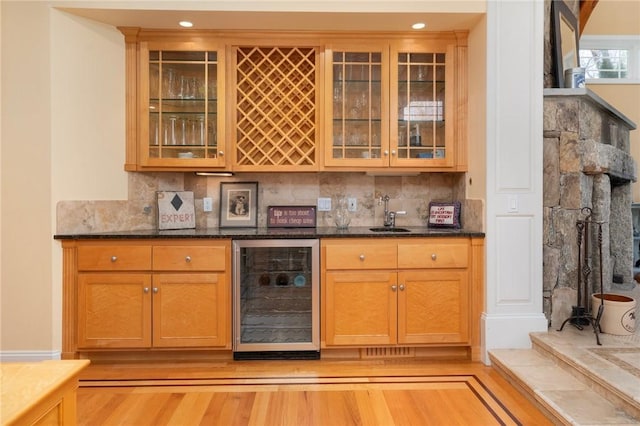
(409, 193)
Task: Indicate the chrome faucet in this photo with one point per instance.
(389, 216)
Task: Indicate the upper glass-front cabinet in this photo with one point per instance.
(359, 107)
(421, 110)
(182, 93)
(388, 107)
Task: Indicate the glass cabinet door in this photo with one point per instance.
(183, 120)
(358, 109)
(418, 121)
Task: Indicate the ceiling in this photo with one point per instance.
(269, 20)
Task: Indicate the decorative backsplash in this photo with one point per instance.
(409, 193)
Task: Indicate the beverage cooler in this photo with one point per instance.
(276, 299)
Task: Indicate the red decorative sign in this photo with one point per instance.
(444, 215)
(291, 217)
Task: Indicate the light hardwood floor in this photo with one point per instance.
(372, 392)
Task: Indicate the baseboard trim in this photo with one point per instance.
(28, 356)
(509, 331)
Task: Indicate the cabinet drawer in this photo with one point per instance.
(114, 258)
(361, 254)
(433, 255)
(189, 258)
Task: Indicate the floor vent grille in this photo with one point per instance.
(387, 352)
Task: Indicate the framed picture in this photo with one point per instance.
(176, 210)
(444, 215)
(238, 204)
(565, 40)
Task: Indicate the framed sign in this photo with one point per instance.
(444, 215)
(238, 204)
(175, 210)
(291, 217)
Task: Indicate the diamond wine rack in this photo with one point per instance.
(275, 110)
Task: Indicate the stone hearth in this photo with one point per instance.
(586, 164)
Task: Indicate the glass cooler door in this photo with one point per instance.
(276, 297)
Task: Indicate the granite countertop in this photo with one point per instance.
(273, 233)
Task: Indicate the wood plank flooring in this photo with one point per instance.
(372, 392)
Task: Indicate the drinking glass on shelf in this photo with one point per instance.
(154, 131)
(169, 83)
(170, 130)
(201, 133)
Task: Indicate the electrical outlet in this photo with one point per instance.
(352, 204)
(207, 204)
(324, 204)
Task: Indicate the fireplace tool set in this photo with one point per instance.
(580, 314)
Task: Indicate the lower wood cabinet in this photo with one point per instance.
(419, 293)
(140, 295)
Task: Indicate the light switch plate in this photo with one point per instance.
(207, 204)
(324, 204)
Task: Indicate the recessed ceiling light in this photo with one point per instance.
(418, 25)
(186, 24)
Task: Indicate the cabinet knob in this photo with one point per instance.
(146, 290)
(187, 259)
(401, 287)
(114, 258)
(221, 153)
(394, 287)
(386, 152)
(433, 256)
(393, 152)
(362, 257)
(155, 289)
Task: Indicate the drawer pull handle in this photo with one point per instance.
(394, 287)
(362, 257)
(155, 289)
(401, 287)
(221, 153)
(433, 256)
(114, 258)
(187, 259)
(146, 290)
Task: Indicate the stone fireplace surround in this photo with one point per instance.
(587, 163)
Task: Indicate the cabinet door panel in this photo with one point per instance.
(114, 310)
(357, 116)
(181, 121)
(433, 307)
(191, 310)
(421, 87)
(360, 308)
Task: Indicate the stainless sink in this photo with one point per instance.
(388, 229)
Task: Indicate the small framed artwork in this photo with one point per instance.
(565, 34)
(444, 215)
(238, 204)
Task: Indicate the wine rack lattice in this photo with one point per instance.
(276, 106)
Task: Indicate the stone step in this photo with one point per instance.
(575, 381)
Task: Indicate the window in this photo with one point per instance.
(611, 59)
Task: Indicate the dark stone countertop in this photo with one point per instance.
(271, 233)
